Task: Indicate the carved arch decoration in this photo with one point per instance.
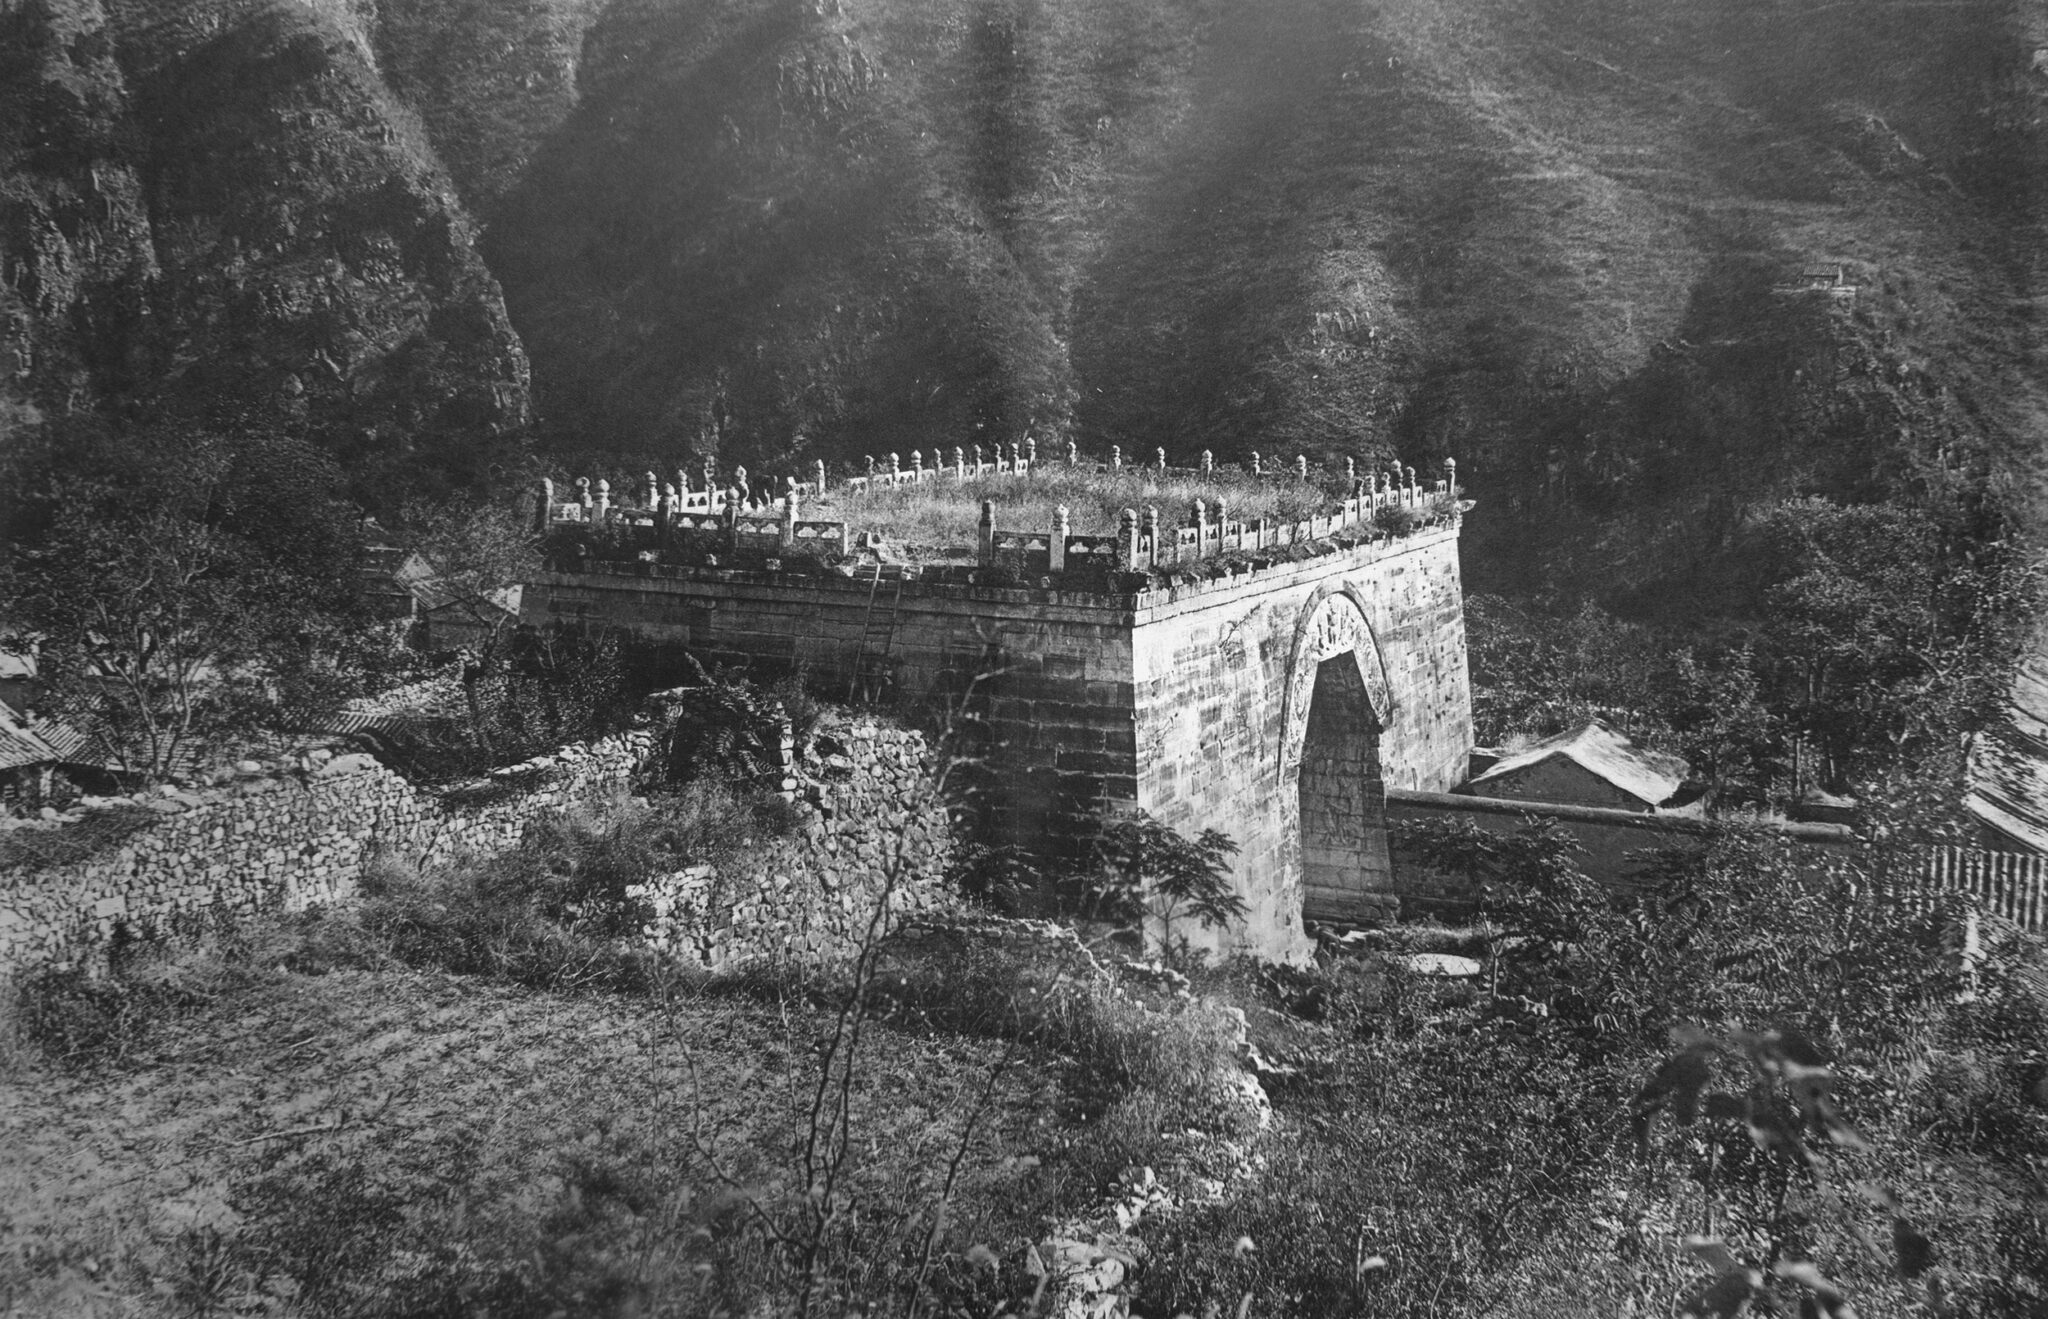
(1333, 623)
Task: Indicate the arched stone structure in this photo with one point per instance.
(1194, 694)
(1333, 624)
(1337, 704)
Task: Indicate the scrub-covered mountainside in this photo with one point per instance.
(1551, 237)
(216, 214)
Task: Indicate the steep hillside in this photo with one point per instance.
(216, 212)
(1547, 237)
(1544, 237)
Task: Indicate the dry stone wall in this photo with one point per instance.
(870, 826)
(163, 864)
(158, 864)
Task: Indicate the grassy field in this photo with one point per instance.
(410, 1142)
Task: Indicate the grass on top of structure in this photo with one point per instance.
(948, 513)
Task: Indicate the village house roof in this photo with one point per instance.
(42, 743)
(2008, 770)
(1651, 777)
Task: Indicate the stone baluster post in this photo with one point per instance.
(979, 466)
(789, 512)
(895, 468)
(1208, 461)
(1116, 458)
(546, 512)
(711, 484)
(869, 471)
(1056, 544)
(1222, 525)
(1030, 453)
(665, 516)
(1073, 454)
(988, 532)
(744, 492)
(653, 492)
(917, 466)
(1350, 470)
(1127, 538)
(1201, 529)
(1414, 491)
(1159, 459)
(1152, 532)
(959, 463)
(1257, 468)
(1451, 477)
(1301, 467)
(603, 505)
(818, 470)
(583, 501)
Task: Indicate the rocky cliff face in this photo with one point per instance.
(1553, 238)
(218, 212)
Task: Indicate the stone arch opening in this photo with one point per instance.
(1345, 869)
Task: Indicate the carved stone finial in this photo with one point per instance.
(977, 458)
(1159, 458)
(1030, 450)
(1201, 514)
(1116, 458)
(819, 469)
(583, 491)
(895, 464)
(1208, 461)
(1257, 470)
(1061, 520)
(604, 497)
(653, 490)
(1301, 466)
(988, 512)
(1451, 474)
(870, 459)
(1073, 453)
(1411, 478)
(1350, 470)
(917, 461)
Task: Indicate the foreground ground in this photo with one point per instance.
(357, 1134)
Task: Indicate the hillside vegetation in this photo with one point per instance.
(1542, 237)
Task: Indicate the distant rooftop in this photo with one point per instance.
(1651, 777)
(2009, 763)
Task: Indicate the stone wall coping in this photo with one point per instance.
(1203, 583)
(1798, 831)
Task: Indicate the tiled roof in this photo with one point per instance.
(44, 743)
(2009, 762)
(1649, 776)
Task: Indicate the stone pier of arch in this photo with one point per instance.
(1274, 700)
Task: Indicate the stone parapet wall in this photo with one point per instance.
(161, 865)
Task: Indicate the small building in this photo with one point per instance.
(1590, 766)
(44, 762)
